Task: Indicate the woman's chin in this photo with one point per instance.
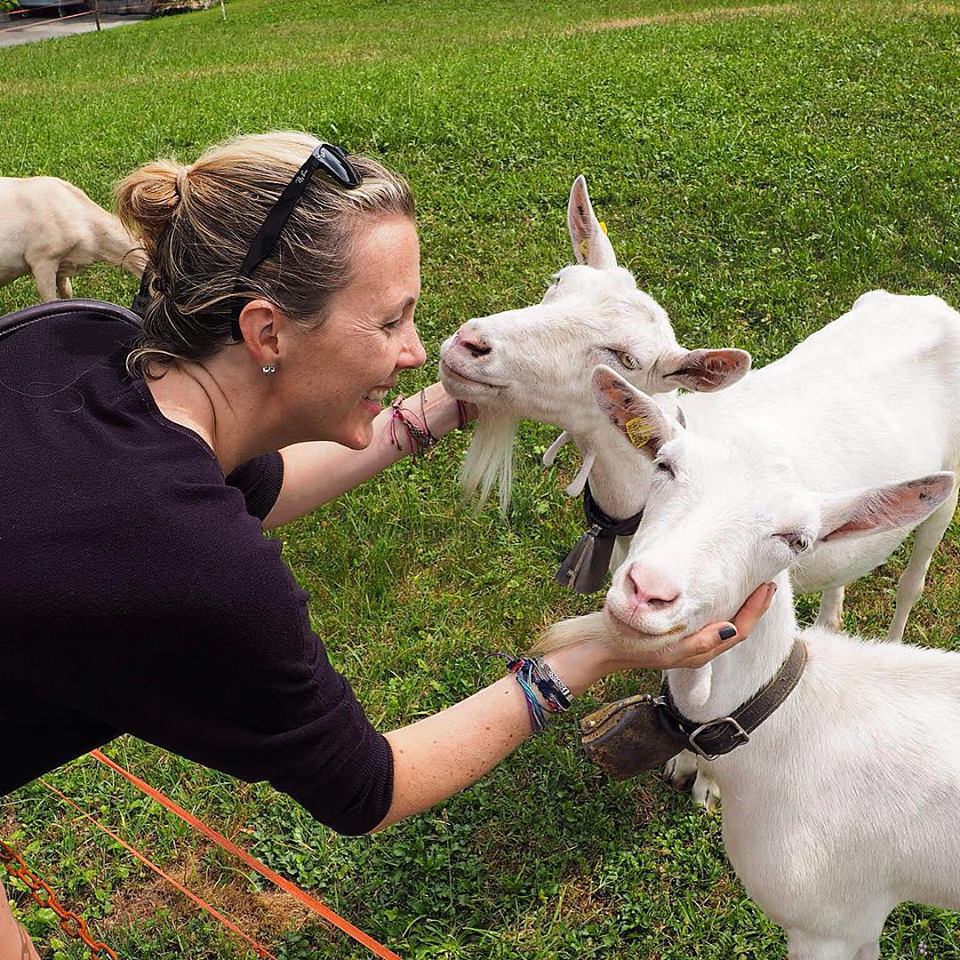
(357, 435)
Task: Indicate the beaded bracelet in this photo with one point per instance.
(534, 672)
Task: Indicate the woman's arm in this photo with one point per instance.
(314, 473)
(442, 754)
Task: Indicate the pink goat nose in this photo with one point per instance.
(470, 340)
(646, 588)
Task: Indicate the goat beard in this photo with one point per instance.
(601, 626)
(489, 461)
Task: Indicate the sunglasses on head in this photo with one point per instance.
(332, 160)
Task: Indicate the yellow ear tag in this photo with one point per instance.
(603, 226)
(638, 431)
(584, 248)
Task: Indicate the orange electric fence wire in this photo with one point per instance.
(259, 949)
(305, 898)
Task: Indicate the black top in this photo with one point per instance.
(138, 593)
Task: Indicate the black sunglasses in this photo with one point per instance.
(332, 160)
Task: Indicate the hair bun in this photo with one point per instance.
(149, 197)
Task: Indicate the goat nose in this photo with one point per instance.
(648, 589)
(470, 340)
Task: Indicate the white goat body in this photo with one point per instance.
(842, 803)
(52, 229)
(871, 397)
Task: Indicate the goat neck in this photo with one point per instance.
(735, 676)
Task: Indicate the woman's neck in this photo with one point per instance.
(725, 683)
(205, 401)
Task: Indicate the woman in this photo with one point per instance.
(145, 599)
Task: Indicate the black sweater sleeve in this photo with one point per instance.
(208, 652)
(259, 480)
(241, 683)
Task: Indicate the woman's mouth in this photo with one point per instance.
(373, 399)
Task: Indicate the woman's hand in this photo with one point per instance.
(443, 413)
(441, 754)
(586, 642)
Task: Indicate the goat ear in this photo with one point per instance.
(590, 242)
(884, 508)
(633, 413)
(703, 371)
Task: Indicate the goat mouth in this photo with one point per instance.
(629, 631)
(447, 371)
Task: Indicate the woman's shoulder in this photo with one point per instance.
(56, 316)
(62, 347)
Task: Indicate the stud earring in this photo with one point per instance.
(268, 368)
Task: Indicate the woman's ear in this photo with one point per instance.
(264, 327)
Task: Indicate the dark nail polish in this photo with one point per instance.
(727, 633)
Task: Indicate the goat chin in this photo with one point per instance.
(565, 633)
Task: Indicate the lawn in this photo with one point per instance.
(758, 167)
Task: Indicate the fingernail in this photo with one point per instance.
(773, 589)
(726, 633)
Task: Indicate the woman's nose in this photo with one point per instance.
(412, 354)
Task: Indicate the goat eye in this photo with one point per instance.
(797, 542)
(628, 360)
(665, 468)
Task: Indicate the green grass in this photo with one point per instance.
(756, 171)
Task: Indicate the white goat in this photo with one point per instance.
(52, 229)
(843, 802)
(881, 385)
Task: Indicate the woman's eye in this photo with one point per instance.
(627, 360)
(393, 324)
(797, 542)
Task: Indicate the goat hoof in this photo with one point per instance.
(705, 792)
(679, 774)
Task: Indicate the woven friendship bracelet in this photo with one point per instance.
(538, 718)
(533, 672)
(419, 434)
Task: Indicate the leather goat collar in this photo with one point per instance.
(585, 568)
(642, 732)
(717, 737)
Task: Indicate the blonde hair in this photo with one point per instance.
(196, 223)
